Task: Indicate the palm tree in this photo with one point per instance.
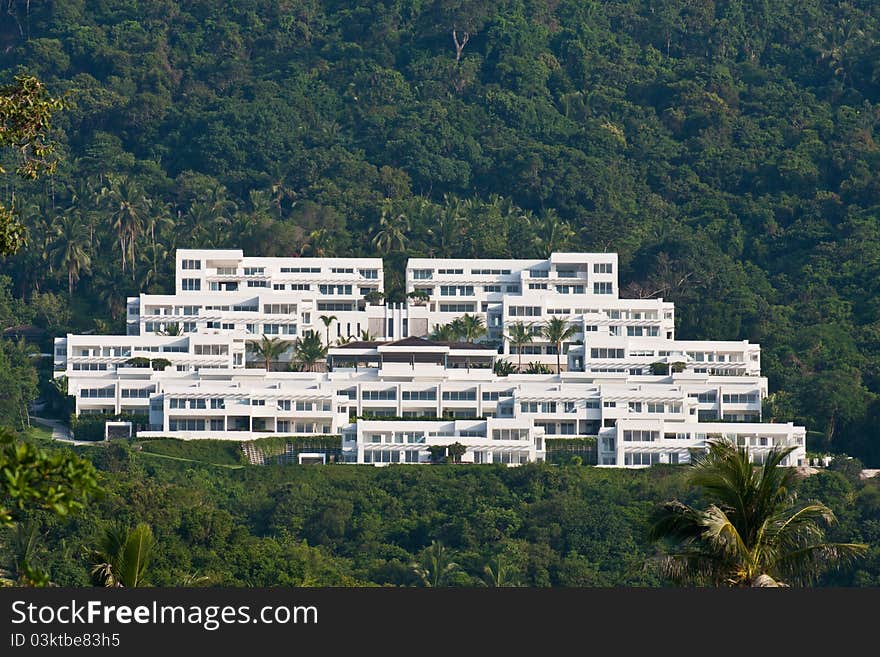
(498, 574)
(268, 349)
(308, 351)
(519, 335)
(19, 548)
(436, 565)
(558, 330)
(328, 321)
(392, 233)
(128, 207)
(366, 336)
(69, 250)
(754, 533)
(444, 333)
(343, 339)
(123, 556)
(472, 327)
(456, 327)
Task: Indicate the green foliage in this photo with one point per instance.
(91, 427)
(221, 452)
(123, 556)
(754, 532)
(727, 155)
(34, 478)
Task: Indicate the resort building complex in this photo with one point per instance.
(392, 393)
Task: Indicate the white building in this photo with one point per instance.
(643, 395)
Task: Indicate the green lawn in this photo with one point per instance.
(38, 432)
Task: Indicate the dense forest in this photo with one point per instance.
(726, 149)
(537, 525)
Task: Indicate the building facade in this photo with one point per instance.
(627, 382)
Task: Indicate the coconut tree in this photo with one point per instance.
(328, 320)
(123, 556)
(269, 349)
(435, 566)
(499, 573)
(128, 208)
(519, 335)
(472, 327)
(366, 336)
(456, 327)
(557, 330)
(392, 233)
(308, 352)
(754, 532)
(69, 250)
(443, 333)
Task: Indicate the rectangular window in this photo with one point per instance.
(192, 264)
(254, 271)
(369, 273)
(456, 307)
(460, 395)
(603, 268)
(423, 274)
(640, 435)
(452, 272)
(602, 352)
(420, 395)
(258, 283)
(191, 284)
(218, 403)
(603, 287)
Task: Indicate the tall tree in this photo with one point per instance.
(69, 250)
(308, 352)
(754, 532)
(327, 321)
(519, 335)
(557, 330)
(128, 208)
(435, 566)
(269, 349)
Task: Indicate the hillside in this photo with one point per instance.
(344, 525)
(727, 150)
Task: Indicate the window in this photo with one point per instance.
(379, 395)
(97, 393)
(456, 307)
(186, 424)
(592, 403)
(279, 308)
(635, 407)
(510, 434)
(570, 289)
(341, 270)
(741, 398)
(258, 283)
(537, 286)
(254, 271)
(603, 268)
(654, 407)
(538, 407)
(258, 402)
(603, 288)
(192, 264)
(709, 397)
(218, 403)
(491, 288)
(369, 273)
(300, 270)
(640, 435)
(452, 272)
(641, 458)
(539, 273)
(210, 349)
(456, 290)
(490, 272)
(328, 305)
(271, 329)
(460, 395)
(423, 274)
(300, 286)
(525, 311)
(191, 284)
(568, 407)
(566, 273)
(334, 289)
(513, 289)
(421, 395)
(602, 352)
